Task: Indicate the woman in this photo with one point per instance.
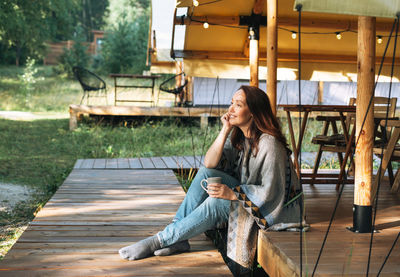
(259, 186)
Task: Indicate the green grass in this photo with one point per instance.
(50, 93)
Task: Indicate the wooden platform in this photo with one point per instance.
(346, 253)
(172, 162)
(96, 212)
(203, 112)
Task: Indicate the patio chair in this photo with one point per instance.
(90, 83)
(337, 142)
(175, 85)
(390, 153)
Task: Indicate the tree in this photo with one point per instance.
(25, 26)
(124, 47)
(92, 15)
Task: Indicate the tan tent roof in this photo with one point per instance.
(221, 51)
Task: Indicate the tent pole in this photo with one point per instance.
(272, 51)
(253, 55)
(362, 212)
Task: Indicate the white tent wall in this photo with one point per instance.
(339, 93)
(210, 91)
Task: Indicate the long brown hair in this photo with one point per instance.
(264, 121)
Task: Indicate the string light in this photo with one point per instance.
(294, 35)
(206, 25)
(338, 35)
(379, 39)
(195, 3)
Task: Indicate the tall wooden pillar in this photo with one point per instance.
(253, 55)
(272, 51)
(362, 215)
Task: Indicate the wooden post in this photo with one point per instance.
(272, 51)
(320, 92)
(178, 82)
(362, 217)
(253, 56)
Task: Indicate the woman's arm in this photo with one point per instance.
(214, 153)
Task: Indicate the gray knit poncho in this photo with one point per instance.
(269, 196)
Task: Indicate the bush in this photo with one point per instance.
(76, 56)
(125, 46)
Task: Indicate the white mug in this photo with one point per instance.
(210, 180)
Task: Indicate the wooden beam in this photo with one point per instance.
(282, 57)
(364, 136)
(286, 22)
(272, 52)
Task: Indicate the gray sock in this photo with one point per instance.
(182, 246)
(141, 249)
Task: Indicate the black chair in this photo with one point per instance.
(90, 82)
(170, 86)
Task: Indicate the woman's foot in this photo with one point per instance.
(141, 249)
(179, 247)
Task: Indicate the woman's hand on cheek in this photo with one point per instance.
(221, 191)
(225, 121)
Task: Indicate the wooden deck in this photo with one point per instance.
(346, 253)
(96, 212)
(172, 162)
(200, 112)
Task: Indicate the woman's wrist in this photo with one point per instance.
(225, 130)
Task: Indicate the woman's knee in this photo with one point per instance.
(217, 206)
(208, 172)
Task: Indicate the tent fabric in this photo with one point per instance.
(375, 8)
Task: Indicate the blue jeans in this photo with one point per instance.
(198, 212)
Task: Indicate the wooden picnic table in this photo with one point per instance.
(306, 110)
(118, 76)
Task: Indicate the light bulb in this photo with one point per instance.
(206, 25)
(195, 3)
(294, 35)
(251, 33)
(338, 35)
(379, 40)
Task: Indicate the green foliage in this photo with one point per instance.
(29, 77)
(76, 56)
(124, 46)
(26, 25)
(91, 16)
(50, 92)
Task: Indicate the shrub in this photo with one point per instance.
(75, 56)
(124, 47)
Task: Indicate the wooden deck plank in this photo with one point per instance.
(111, 163)
(181, 162)
(78, 163)
(170, 162)
(123, 163)
(99, 163)
(200, 160)
(158, 163)
(192, 161)
(147, 163)
(95, 213)
(345, 252)
(87, 164)
(135, 163)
